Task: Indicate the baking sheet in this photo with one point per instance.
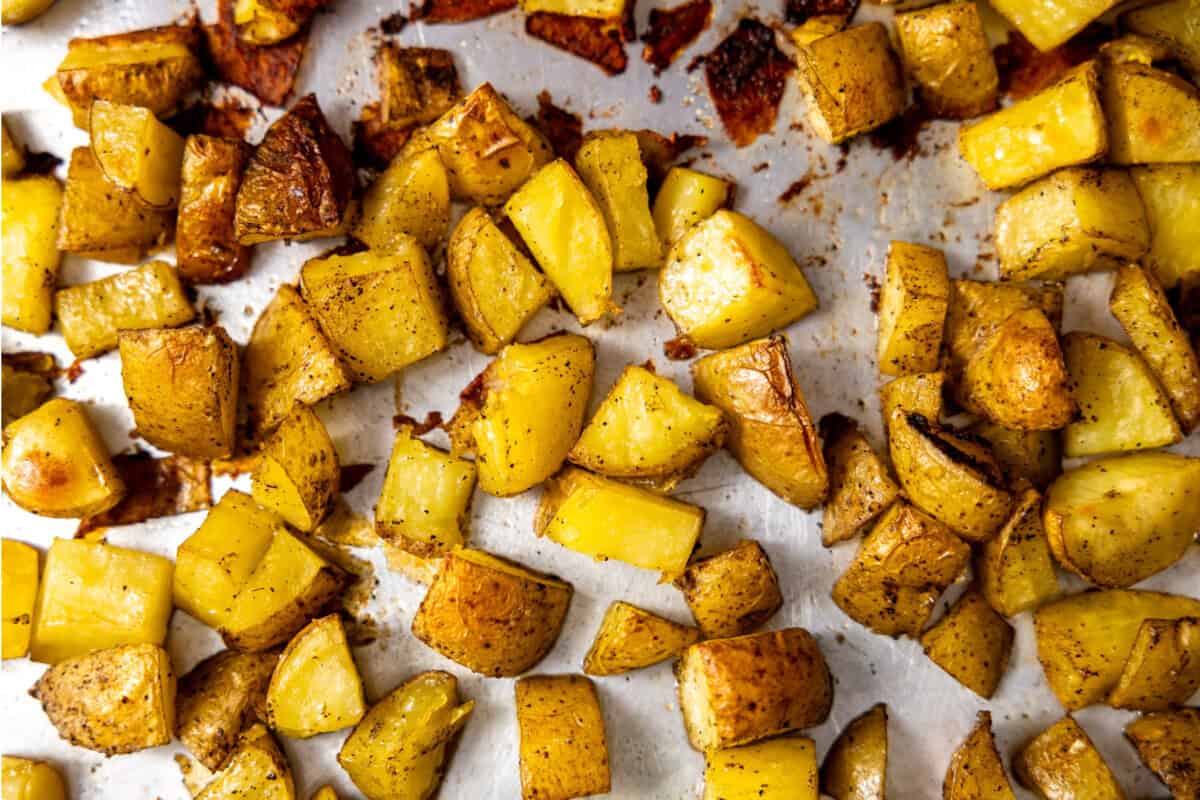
(856, 201)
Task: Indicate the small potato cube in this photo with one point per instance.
(860, 484)
(972, 643)
(1166, 743)
(257, 769)
(298, 472)
(115, 700)
(610, 164)
(728, 281)
(913, 394)
(382, 310)
(1060, 126)
(56, 464)
(409, 198)
(222, 696)
(779, 769)
(1034, 456)
(426, 497)
(31, 258)
(1014, 569)
(632, 638)
(206, 249)
(19, 562)
(288, 362)
(316, 687)
(564, 227)
(737, 691)
(12, 152)
(267, 22)
(1076, 220)
(1168, 22)
(605, 519)
(492, 616)
(946, 52)
(1163, 669)
(564, 751)
(182, 387)
(912, 309)
(24, 779)
(92, 315)
(137, 152)
(685, 198)
(494, 286)
(1062, 762)
(976, 771)
(1153, 115)
(732, 593)
(1171, 196)
(851, 81)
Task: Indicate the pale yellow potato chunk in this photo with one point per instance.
(1171, 196)
(686, 197)
(31, 256)
(778, 769)
(316, 687)
(409, 198)
(610, 163)
(912, 309)
(19, 562)
(137, 152)
(1049, 23)
(22, 778)
(298, 471)
(423, 506)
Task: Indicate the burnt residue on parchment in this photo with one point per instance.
(746, 76)
(155, 487)
(672, 30)
(600, 41)
(458, 10)
(563, 129)
(268, 72)
(901, 136)
(800, 11)
(1024, 69)
(227, 117)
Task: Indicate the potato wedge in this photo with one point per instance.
(30, 259)
(1166, 743)
(1014, 569)
(137, 152)
(978, 308)
(564, 749)
(631, 638)
(972, 643)
(492, 616)
(976, 771)
(22, 778)
(1168, 23)
(221, 697)
(912, 309)
(1033, 456)
(1153, 115)
(206, 248)
(737, 691)
(860, 483)
(913, 394)
(316, 687)
(945, 51)
(19, 562)
(778, 769)
(266, 22)
(685, 198)
(733, 592)
(610, 164)
(426, 497)
(115, 700)
(1171, 196)
(1049, 23)
(1061, 763)
(606, 519)
(728, 281)
(257, 769)
(409, 198)
(298, 471)
(855, 768)
(1163, 669)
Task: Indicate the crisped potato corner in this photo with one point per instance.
(564, 750)
(206, 249)
(298, 471)
(258, 769)
(409, 198)
(855, 768)
(1153, 115)
(777, 769)
(630, 638)
(733, 592)
(976, 771)
(19, 562)
(860, 483)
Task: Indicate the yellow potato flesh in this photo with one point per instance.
(685, 198)
(315, 687)
(411, 197)
(137, 152)
(297, 476)
(912, 309)
(1171, 196)
(778, 769)
(31, 257)
(23, 779)
(19, 562)
(425, 497)
(1049, 23)
(610, 164)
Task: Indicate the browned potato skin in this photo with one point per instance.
(631, 638)
(972, 643)
(1061, 763)
(946, 52)
(1015, 553)
(976, 771)
(1168, 742)
(564, 750)
(257, 769)
(221, 697)
(737, 691)
(856, 766)
(206, 249)
(860, 484)
(732, 593)
(1163, 669)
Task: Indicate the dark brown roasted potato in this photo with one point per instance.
(206, 249)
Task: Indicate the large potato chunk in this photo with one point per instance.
(630, 638)
(727, 281)
(779, 769)
(771, 432)
(222, 696)
(605, 519)
(116, 700)
(1153, 115)
(732, 593)
(1061, 763)
(855, 768)
(946, 52)
(1163, 669)
(564, 750)
(19, 562)
(523, 413)
(492, 616)
(423, 506)
(30, 220)
(399, 750)
(206, 248)
(860, 483)
(23, 779)
(315, 687)
(1171, 196)
(737, 691)
(298, 472)
(1060, 126)
(1014, 569)
(1172, 23)
(972, 643)
(610, 163)
(1049, 23)
(912, 309)
(976, 771)
(685, 198)
(137, 152)
(257, 769)
(1166, 742)
(409, 198)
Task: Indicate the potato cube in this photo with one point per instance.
(409, 198)
(728, 281)
(426, 497)
(1076, 220)
(1153, 115)
(737, 691)
(605, 519)
(12, 152)
(564, 750)
(1171, 196)
(298, 472)
(913, 394)
(206, 249)
(182, 387)
(316, 687)
(779, 769)
(610, 163)
(946, 52)
(1163, 669)
(1168, 22)
(1049, 23)
(1061, 761)
(494, 286)
(1033, 456)
(222, 696)
(976, 769)
(20, 584)
(733, 592)
(860, 484)
(972, 643)
(685, 198)
(137, 152)
(1014, 569)
(31, 257)
(382, 310)
(56, 464)
(24, 779)
(1166, 744)
(912, 309)
(855, 768)
(1060, 126)
(257, 769)
(564, 227)
(92, 315)
(631, 638)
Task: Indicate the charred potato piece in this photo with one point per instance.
(31, 257)
(264, 22)
(222, 696)
(1049, 23)
(564, 750)
(976, 771)
(972, 643)
(316, 687)
(57, 465)
(685, 198)
(19, 562)
(610, 164)
(860, 483)
(778, 769)
(631, 638)
(1166, 742)
(1061, 763)
(136, 152)
(1153, 115)
(1167, 22)
(856, 766)
(115, 700)
(1033, 456)
(416, 84)
(409, 198)
(1014, 569)
(946, 53)
(257, 769)
(912, 309)
(493, 617)
(771, 432)
(24, 779)
(267, 72)
(157, 487)
(1171, 196)
(298, 471)
(737, 691)
(913, 394)
(182, 386)
(733, 592)
(1163, 669)
(206, 249)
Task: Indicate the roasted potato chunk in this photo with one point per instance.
(597, 9)
(564, 751)
(860, 483)
(492, 616)
(1166, 743)
(26, 383)
(685, 198)
(56, 464)
(31, 258)
(771, 432)
(737, 691)
(1167, 22)
(137, 152)
(856, 766)
(222, 696)
(423, 507)
(298, 471)
(416, 84)
(257, 769)
(315, 687)
(606, 519)
(263, 22)
(779, 769)
(610, 164)
(17, 12)
(22, 778)
(1061, 763)
(1163, 669)
(913, 394)
(976, 771)
(1014, 569)
(631, 638)
(13, 152)
(19, 562)
(902, 567)
(1049, 23)
(399, 749)
(912, 309)
(1153, 115)
(267, 72)
(972, 643)
(206, 249)
(732, 593)
(115, 700)
(1033, 456)
(409, 198)
(1171, 196)
(523, 413)
(946, 53)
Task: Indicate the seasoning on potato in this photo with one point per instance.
(222, 696)
(733, 592)
(1166, 743)
(315, 687)
(777, 769)
(1014, 569)
(257, 768)
(610, 164)
(945, 51)
(137, 152)
(976, 771)
(685, 198)
(855, 768)
(1163, 669)
(972, 643)
(563, 744)
(860, 483)
(1062, 762)
(206, 249)
(298, 472)
(912, 309)
(30, 217)
(263, 22)
(1153, 115)
(631, 638)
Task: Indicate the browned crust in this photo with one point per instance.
(375, 142)
(672, 30)
(1025, 70)
(563, 129)
(800, 11)
(458, 10)
(206, 247)
(156, 487)
(600, 41)
(746, 77)
(267, 72)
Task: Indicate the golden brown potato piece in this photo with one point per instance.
(116, 700)
(1163, 669)
(1167, 744)
(946, 53)
(17, 12)
(182, 387)
(860, 483)
(30, 215)
(316, 687)
(1171, 196)
(267, 72)
(222, 696)
(27, 383)
(23, 779)
(631, 638)
(264, 22)
(977, 309)
(855, 768)
(299, 182)
(56, 464)
(1061, 763)
(564, 750)
(13, 152)
(1049, 23)
(610, 164)
(416, 84)
(972, 643)
(1167, 23)
(852, 82)
(1153, 115)
(771, 432)
(206, 249)
(492, 616)
(136, 152)
(976, 771)
(1014, 569)
(19, 562)
(731, 593)
(902, 567)
(685, 198)
(298, 471)
(737, 691)
(257, 769)
(409, 198)
(778, 769)
(912, 309)
(1033, 456)
(913, 394)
